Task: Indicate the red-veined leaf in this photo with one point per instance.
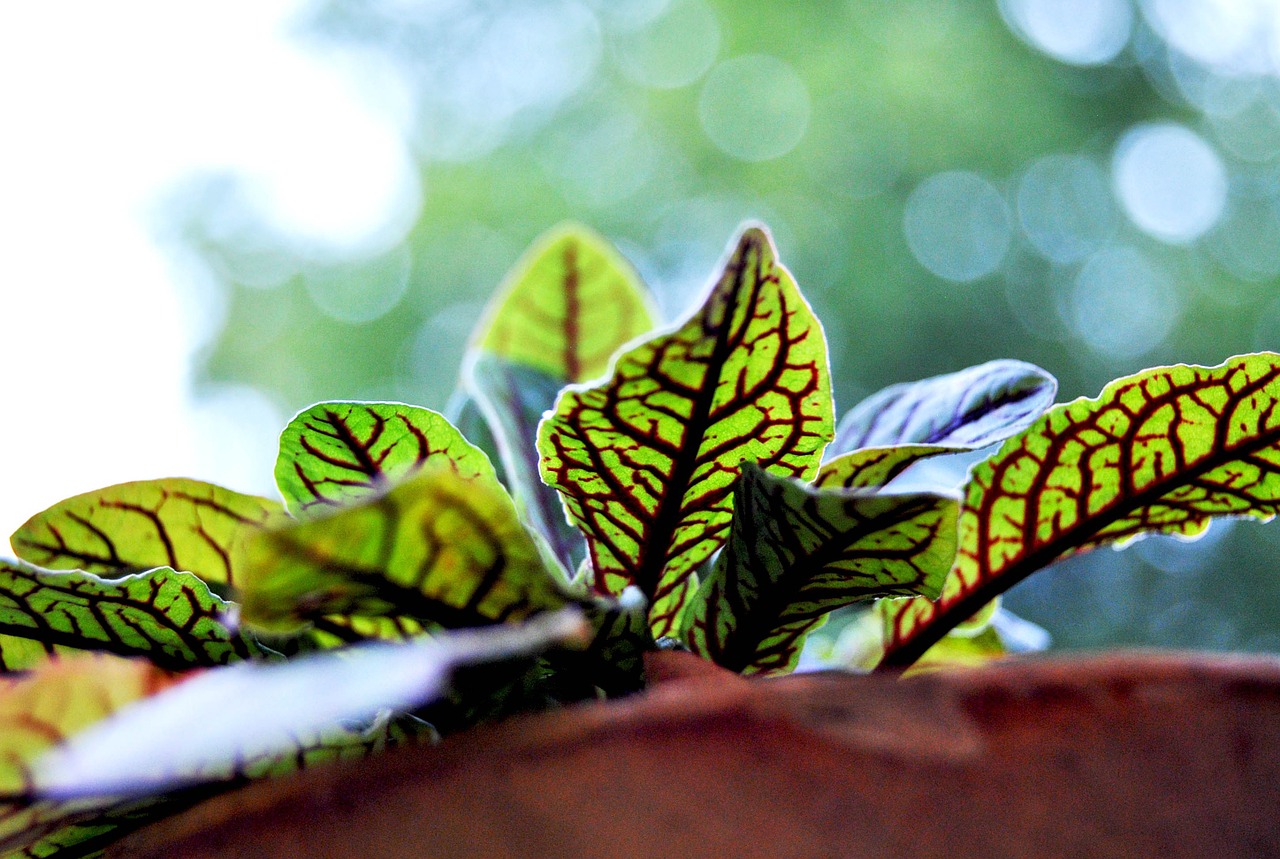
(333, 454)
(438, 548)
(874, 467)
(646, 460)
(797, 553)
(174, 522)
(1163, 451)
(168, 617)
(567, 306)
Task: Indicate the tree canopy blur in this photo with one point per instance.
(1089, 185)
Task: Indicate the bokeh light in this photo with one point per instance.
(1171, 182)
(957, 226)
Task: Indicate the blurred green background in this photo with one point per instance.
(1090, 185)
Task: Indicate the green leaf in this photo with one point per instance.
(513, 399)
(798, 553)
(567, 307)
(874, 467)
(969, 409)
(257, 712)
(334, 454)
(175, 522)
(646, 461)
(170, 618)
(1163, 451)
(438, 548)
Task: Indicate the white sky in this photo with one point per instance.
(104, 106)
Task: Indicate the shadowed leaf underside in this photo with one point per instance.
(175, 522)
(969, 409)
(1163, 451)
(438, 548)
(334, 454)
(513, 399)
(797, 553)
(646, 461)
(167, 617)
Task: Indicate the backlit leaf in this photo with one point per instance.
(873, 467)
(333, 454)
(646, 460)
(969, 409)
(797, 553)
(513, 399)
(567, 307)
(258, 711)
(168, 617)
(439, 548)
(39, 711)
(175, 522)
(1159, 452)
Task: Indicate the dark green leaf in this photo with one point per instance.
(797, 553)
(514, 399)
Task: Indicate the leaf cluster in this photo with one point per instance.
(605, 487)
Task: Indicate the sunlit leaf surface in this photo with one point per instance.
(567, 307)
(646, 460)
(333, 454)
(170, 618)
(873, 467)
(969, 409)
(797, 553)
(175, 522)
(1163, 451)
(438, 548)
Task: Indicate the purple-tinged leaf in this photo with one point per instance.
(969, 409)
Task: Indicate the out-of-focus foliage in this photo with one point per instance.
(1090, 186)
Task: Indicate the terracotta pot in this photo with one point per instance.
(1125, 755)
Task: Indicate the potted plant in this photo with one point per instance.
(609, 496)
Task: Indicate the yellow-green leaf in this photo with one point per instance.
(567, 306)
(37, 712)
(438, 548)
(175, 522)
(873, 467)
(333, 454)
(798, 553)
(1163, 451)
(646, 460)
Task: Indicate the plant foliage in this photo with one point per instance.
(618, 489)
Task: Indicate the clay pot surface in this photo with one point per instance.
(1118, 755)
